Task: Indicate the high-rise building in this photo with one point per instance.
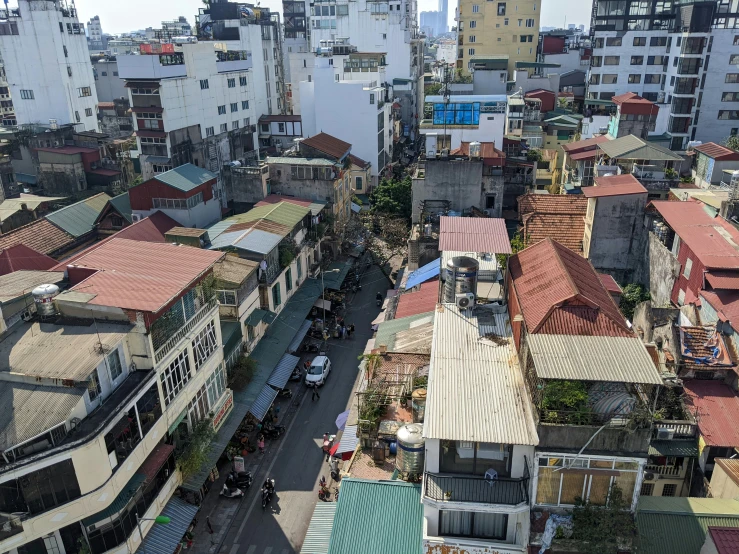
(47, 64)
(680, 55)
(442, 23)
(429, 20)
(508, 30)
(95, 34)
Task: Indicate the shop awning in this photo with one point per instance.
(155, 461)
(334, 276)
(294, 346)
(348, 443)
(282, 372)
(120, 501)
(319, 530)
(257, 316)
(164, 539)
(263, 402)
(423, 274)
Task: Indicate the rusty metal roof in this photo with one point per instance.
(614, 185)
(421, 301)
(717, 152)
(727, 280)
(474, 234)
(716, 407)
(329, 145)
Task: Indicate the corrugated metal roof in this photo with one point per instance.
(28, 410)
(79, 218)
(263, 402)
(717, 152)
(614, 185)
(255, 317)
(725, 539)
(372, 513)
(585, 358)
(684, 448)
(11, 206)
(164, 539)
(299, 161)
(584, 144)
(417, 302)
(284, 213)
(281, 373)
(320, 528)
(58, 351)
(217, 228)
(19, 283)
(631, 147)
(186, 177)
(122, 204)
(230, 335)
(716, 407)
(476, 234)
(476, 390)
(387, 330)
(349, 440)
(251, 240)
(329, 145)
(726, 280)
(156, 459)
(314, 205)
(21, 257)
(42, 235)
(334, 276)
(294, 345)
(679, 525)
(423, 274)
(119, 502)
(730, 467)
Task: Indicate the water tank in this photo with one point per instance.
(475, 150)
(43, 297)
(409, 458)
(461, 277)
(418, 403)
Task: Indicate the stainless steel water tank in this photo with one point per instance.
(43, 297)
(461, 277)
(411, 444)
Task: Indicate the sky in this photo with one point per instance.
(131, 15)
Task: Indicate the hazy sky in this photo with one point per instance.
(118, 17)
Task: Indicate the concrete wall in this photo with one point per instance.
(108, 84)
(722, 485)
(658, 270)
(571, 438)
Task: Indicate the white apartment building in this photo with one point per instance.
(200, 104)
(682, 55)
(48, 67)
(446, 51)
(95, 34)
(82, 458)
(355, 111)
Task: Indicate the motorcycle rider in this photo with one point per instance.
(269, 486)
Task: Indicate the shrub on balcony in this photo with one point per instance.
(197, 449)
(565, 402)
(670, 173)
(288, 251)
(242, 372)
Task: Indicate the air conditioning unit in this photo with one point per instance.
(465, 300)
(649, 476)
(665, 434)
(488, 213)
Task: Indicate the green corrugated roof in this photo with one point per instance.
(120, 501)
(79, 218)
(256, 316)
(284, 213)
(334, 276)
(319, 531)
(679, 525)
(186, 177)
(634, 148)
(122, 204)
(374, 516)
(684, 448)
(387, 330)
(230, 336)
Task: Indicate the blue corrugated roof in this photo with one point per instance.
(282, 372)
(186, 177)
(263, 402)
(216, 229)
(299, 336)
(164, 539)
(423, 274)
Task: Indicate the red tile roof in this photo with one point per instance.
(142, 277)
(726, 539)
(561, 294)
(21, 256)
(716, 407)
(356, 160)
(41, 235)
(584, 155)
(614, 185)
(557, 216)
(149, 229)
(474, 234)
(717, 152)
(702, 348)
(712, 239)
(630, 98)
(727, 280)
(418, 302)
(610, 283)
(583, 144)
(327, 144)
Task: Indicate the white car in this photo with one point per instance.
(318, 371)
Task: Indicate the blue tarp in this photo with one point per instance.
(423, 274)
(163, 539)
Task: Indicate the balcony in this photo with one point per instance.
(480, 490)
(665, 471)
(162, 351)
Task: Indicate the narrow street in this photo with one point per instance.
(296, 460)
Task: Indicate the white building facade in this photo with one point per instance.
(48, 67)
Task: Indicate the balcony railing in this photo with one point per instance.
(682, 429)
(184, 330)
(454, 488)
(10, 524)
(667, 471)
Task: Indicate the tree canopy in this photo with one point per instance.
(392, 197)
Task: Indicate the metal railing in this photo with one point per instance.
(681, 428)
(184, 330)
(454, 488)
(668, 471)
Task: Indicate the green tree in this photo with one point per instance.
(604, 529)
(732, 142)
(533, 155)
(242, 372)
(197, 449)
(633, 294)
(393, 197)
(517, 244)
(433, 89)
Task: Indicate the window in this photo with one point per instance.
(227, 297)
(224, 127)
(114, 365)
(246, 122)
(728, 114)
(520, 22)
(48, 487)
(475, 8)
(647, 489)
(473, 524)
(204, 84)
(530, 22)
(505, 22)
(652, 78)
(372, 98)
(84, 91)
(669, 490)
(244, 104)
(595, 78)
(232, 83)
(473, 24)
(209, 132)
(610, 79)
(658, 41)
(613, 41)
(26, 94)
(204, 344)
(730, 97)
(734, 59)
(222, 110)
(612, 60)
(77, 116)
(637, 60)
(472, 38)
(115, 74)
(216, 385)
(93, 386)
(501, 8)
(730, 78)
(88, 112)
(358, 183)
(289, 279)
(242, 81)
(640, 41)
(175, 377)
(688, 267)
(657, 60)
(276, 297)
(634, 78)
(234, 107)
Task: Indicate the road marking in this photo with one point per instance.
(269, 470)
(234, 549)
(252, 548)
(268, 550)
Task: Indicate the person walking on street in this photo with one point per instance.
(351, 329)
(315, 394)
(260, 443)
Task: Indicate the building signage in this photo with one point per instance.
(224, 410)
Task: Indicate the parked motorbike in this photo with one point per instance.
(308, 347)
(230, 492)
(266, 497)
(240, 480)
(297, 373)
(324, 494)
(273, 431)
(285, 393)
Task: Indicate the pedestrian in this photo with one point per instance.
(315, 394)
(260, 443)
(343, 331)
(351, 329)
(306, 365)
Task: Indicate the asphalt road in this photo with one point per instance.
(297, 461)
